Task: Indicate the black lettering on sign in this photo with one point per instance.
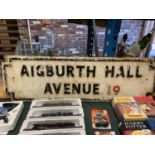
(138, 75)
(93, 71)
(48, 89)
(109, 71)
(49, 71)
(32, 70)
(80, 69)
(121, 72)
(60, 73)
(129, 75)
(70, 71)
(88, 89)
(40, 72)
(24, 71)
(66, 88)
(96, 89)
(57, 87)
(76, 88)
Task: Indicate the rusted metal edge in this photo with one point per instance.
(12, 58)
(152, 64)
(96, 59)
(4, 77)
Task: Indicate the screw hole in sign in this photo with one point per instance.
(116, 89)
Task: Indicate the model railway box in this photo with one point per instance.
(55, 132)
(54, 112)
(54, 116)
(52, 124)
(51, 103)
(9, 114)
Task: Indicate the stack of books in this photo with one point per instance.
(135, 114)
(127, 109)
(148, 106)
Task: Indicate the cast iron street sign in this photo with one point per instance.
(85, 78)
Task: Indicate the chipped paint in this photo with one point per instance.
(61, 77)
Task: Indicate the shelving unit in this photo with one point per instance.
(9, 36)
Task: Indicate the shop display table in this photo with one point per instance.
(87, 106)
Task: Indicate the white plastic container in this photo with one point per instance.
(54, 132)
(55, 112)
(12, 116)
(29, 123)
(55, 102)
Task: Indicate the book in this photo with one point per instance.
(122, 100)
(132, 125)
(148, 108)
(139, 132)
(143, 99)
(104, 133)
(147, 104)
(100, 119)
(129, 111)
(151, 124)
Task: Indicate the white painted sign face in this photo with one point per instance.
(85, 78)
